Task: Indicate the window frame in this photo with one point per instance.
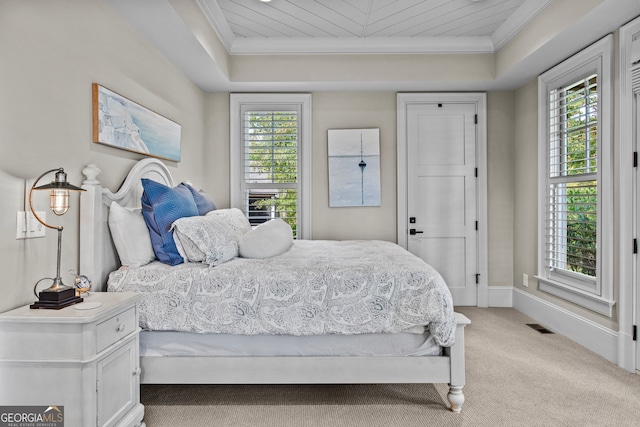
(596, 295)
(273, 101)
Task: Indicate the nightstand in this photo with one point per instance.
(84, 360)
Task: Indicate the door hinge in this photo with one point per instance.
(477, 278)
(476, 172)
(635, 333)
(635, 246)
(476, 119)
(635, 159)
(476, 225)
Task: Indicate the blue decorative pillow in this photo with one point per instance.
(202, 199)
(161, 206)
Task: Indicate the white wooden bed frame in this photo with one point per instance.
(98, 258)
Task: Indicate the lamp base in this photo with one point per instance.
(56, 299)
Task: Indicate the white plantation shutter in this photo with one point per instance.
(572, 204)
(575, 208)
(270, 167)
(270, 151)
(635, 78)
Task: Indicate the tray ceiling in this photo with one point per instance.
(368, 26)
(378, 45)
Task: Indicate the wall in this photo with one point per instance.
(500, 186)
(352, 111)
(526, 206)
(344, 110)
(216, 150)
(411, 69)
(525, 242)
(51, 53)
(555, 19)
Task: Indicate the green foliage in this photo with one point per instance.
(580, 157)
(580, 128)
(581, 228)
(273, 158)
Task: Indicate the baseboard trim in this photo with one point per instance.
(500, 296)
(627, 352)
(602, 341)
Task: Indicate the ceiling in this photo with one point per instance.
(381, 45)
(368, 26)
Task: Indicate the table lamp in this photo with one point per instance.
(58, 295)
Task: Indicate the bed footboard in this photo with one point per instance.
(448, 368)
(456, 355)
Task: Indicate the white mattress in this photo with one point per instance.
(187, 344)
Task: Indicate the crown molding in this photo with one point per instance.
(516, 22)
(355, 45)
(218, 22)
(368, 45)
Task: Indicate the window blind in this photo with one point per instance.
(572, 203)
(271, 158)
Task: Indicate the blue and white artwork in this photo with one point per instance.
(121, 123)
(354, 167)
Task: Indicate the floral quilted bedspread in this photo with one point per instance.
(317, 287)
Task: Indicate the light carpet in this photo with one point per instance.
(515, 377)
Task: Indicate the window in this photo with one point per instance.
(575, 196)
(270, 145)
(571, 230)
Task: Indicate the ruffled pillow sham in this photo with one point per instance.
(209, 239)
(236, 220)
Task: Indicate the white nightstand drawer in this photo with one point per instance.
(115, 328)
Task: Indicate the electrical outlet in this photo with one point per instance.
(28, 227)
(525, 280)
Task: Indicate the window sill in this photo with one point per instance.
(584, 299)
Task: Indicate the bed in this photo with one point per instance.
(231, 326)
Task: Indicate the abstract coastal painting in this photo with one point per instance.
(122, 123)
(354, 167)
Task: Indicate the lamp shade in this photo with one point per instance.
(59, 199)
(60, 183)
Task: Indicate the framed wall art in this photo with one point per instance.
(122, 123)
(354, 167)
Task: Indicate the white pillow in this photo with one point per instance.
(269, 239)
(207, 239)
(130, 236)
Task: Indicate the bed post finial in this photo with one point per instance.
(91, 172)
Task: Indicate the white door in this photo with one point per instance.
(442, 193)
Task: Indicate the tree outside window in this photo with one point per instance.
(271, 166)
(573, 177)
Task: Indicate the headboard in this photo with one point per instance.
(98, 256)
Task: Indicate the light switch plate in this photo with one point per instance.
(28, 227)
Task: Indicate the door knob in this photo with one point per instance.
(413, 231)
